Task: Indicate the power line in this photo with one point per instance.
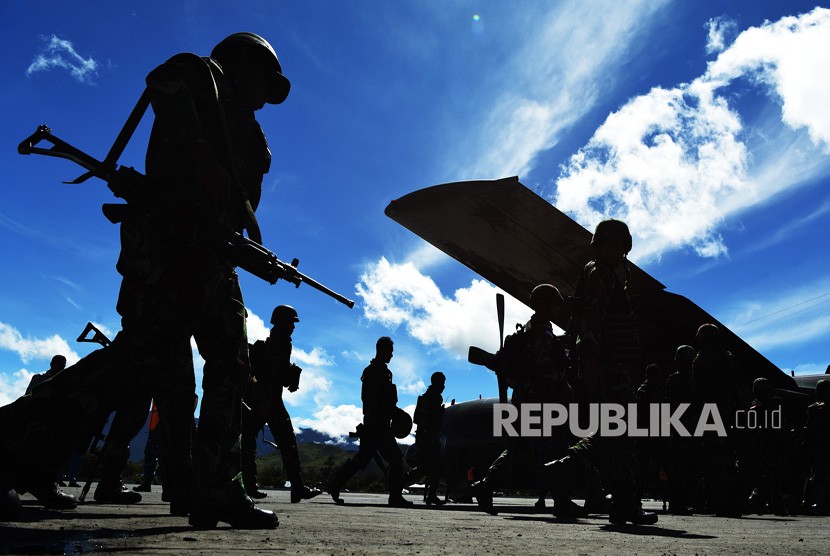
(789, 308)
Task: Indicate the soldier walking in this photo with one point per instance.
(271, 371)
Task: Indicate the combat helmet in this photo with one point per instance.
(401, 423)
(545, 294)
(684, 353)
(284, 313)
(612, 228)
(277, 85)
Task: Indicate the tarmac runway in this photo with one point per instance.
(365, 525)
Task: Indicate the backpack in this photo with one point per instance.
(513, 361)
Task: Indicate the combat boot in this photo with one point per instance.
(256, 493)
(239, 514)
(143, 487)
(628, 512)
(302, 492)
(50, 496)
(115, 493)
(10, 506)
(565, 508)
(340, 477)
(483, 494)
(398, 501)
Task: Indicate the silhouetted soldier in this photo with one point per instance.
(767, 450)
(681, 459)
(607, 344)
(56, 365)
(817, 431)
(543, 381)
(380, 397)
(429, 416)
(271, 371)
(649, 450)
(718, 381)
(206, 147)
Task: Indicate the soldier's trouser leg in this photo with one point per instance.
(350, 467)
(431, 456)
(388, 448)
(280, 424)
(152, 455)
(252, 423)
(38, 432)
(126, 424)
(222, 341)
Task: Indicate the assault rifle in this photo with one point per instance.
(96, 443)
(139, 190)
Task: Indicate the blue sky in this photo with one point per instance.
(705, 125)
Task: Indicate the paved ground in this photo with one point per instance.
(367, 526)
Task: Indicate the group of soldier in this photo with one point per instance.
(207, 147)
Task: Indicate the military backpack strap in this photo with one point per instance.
(251, 223)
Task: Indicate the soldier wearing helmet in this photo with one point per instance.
(816, 431)
(541, 378)
(429, 416)
(271, 371)
(682, 456)
(607, 346)
(380, 398)
(719, 382)
(207, 148)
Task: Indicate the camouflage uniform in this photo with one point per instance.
(271, 371)
(543, 382)
(682, 459)
(429, 416)
(380, 398)
(607, 346)
(817, 431)
(718, 381)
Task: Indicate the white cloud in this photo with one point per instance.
(722, 31)
(256, 327)
(34, 349)
(317, 357)
(790, 57)
(333, 421)
(13, 386)
(399, 294)
(60, 53)
(674, 164)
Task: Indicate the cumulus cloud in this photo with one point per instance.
(674, 163)
(61, 53)
(333, 421)
(400, 295)
(35, 349)
(13, 386)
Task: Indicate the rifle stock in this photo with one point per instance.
(136, 188)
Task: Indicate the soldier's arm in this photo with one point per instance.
(173, 98)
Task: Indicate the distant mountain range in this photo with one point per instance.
(263, 449)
